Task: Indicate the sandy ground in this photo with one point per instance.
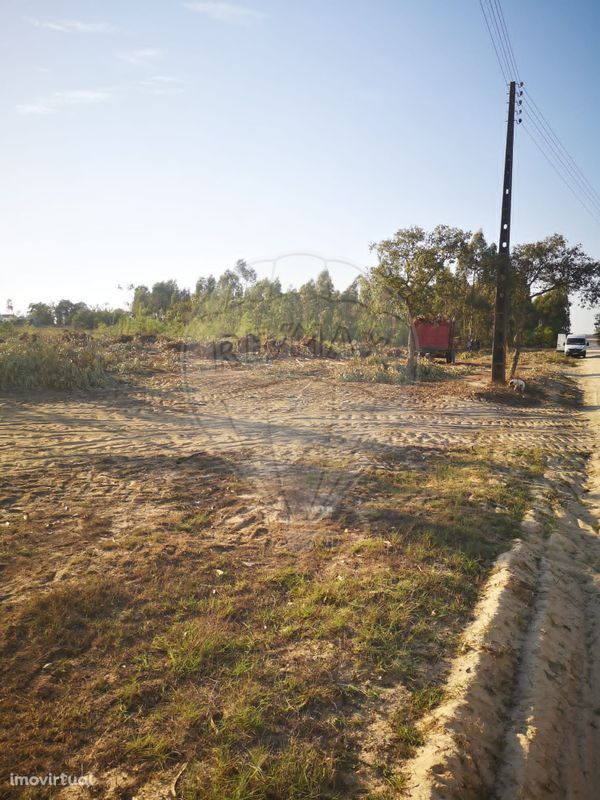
(522, 719)
(523, 715)
(298, 438)
(288, 428)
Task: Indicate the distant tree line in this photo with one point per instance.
(66, 314)
(444, 273)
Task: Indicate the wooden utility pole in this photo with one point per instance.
(503, 264)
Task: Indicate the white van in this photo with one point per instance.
(576, 346)
(560, 342)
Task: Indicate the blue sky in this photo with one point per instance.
(150, 139)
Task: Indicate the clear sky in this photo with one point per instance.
(142, 140)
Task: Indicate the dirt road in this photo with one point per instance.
(590, 381)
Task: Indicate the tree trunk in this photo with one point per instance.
(411, 364)
(516, 356)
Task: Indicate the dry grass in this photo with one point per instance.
(380, 369)
(50, 362)
(68, 610)
(258, 675)
(269, 671)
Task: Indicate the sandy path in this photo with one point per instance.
(590, 381)
(523, 718)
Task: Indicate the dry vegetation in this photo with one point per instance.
(52, 362)
(140, 634)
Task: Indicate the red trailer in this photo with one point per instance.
(435, 338)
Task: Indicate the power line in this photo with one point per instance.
(559, 167)
(536, 109)
(502, 68)
(538, 128)
(504, 27)
(534, 119)
(498, 31)
(500, 39)
(573, 191)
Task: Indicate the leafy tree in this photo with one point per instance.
(262, 307)
(163, 296)
(552, 312)
(410, 266)
(65, 310)
(84, 317)
(246, 273)
(546, 266)
(473, 292)
(204, 287)
(445, 272)
(40, 314)
(141, 300)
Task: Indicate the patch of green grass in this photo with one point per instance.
(426, 698)
(466, 507)
(193, 522)
(470, 355)
(396, 786)
(297, 772)
(369, 546)
(377, 610)
(247, 717)
(202, 645)
(408, 609)
(408, 734)
(546, 356)
(534, 459)
(419, 702)
(157, 749)
(109, 544)
(137, 695)
(287, 578)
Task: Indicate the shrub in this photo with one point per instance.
(376, 369)
(51, 363)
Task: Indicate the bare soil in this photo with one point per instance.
(250, 580)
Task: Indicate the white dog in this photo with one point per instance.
(517, 384)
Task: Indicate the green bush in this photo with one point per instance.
(377, 369)
(51, 363)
